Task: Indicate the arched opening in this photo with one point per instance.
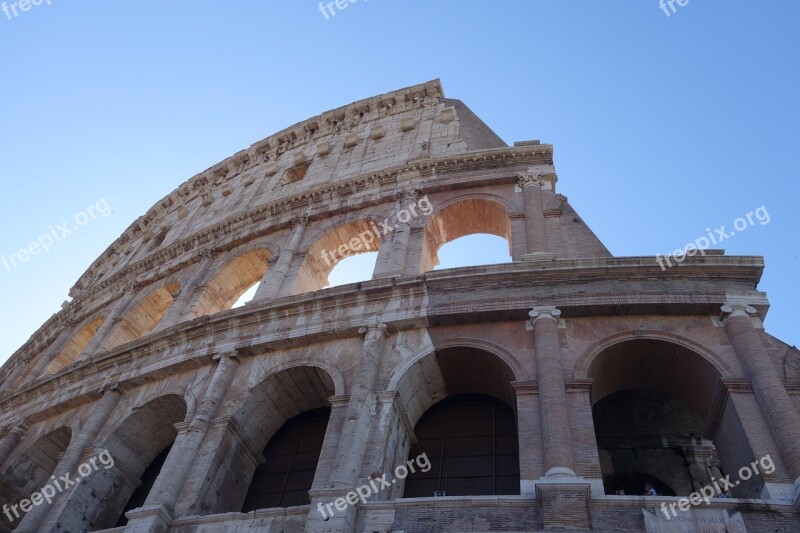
(474, 250)
(657, 420)
(460, 219)
(346, 240)
(149, 478)
(461, 401)
(353, 269)
(291, 457)
(286, 416)
(30, 471)
(236, 278)
(73, 349)
(144, 317)
(138, 447)
(246, 296)
(471, 442)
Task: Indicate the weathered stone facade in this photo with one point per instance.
(149, 362)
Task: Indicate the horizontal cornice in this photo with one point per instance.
(590, 287)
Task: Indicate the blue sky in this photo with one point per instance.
(662, 126)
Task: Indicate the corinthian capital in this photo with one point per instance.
(544, 178)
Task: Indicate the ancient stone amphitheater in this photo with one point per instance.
(542, 393)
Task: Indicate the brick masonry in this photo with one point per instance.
(149, 354)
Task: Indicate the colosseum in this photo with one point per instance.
(566, 389)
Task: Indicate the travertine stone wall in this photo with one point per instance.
(148, 353)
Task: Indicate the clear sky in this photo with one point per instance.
(663, 126)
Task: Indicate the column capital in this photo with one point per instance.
(731, 310)
(339, 402)
(20, 426)
(406, 195)
(372, 330)
(131, 286)
(538, 313)
(299, 220)
(544, 179)
(227, 353)
(110, 387)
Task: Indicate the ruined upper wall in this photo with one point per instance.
(393, 129)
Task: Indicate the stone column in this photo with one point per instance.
(37, 519)
(531, 184)
(322, 493)
(54, 349)
(42, 360)
(563, 495)
(12, 379)
(111, 321)
(401, 236)
(160, 503)
(776, 405)
(352, 442)
(180, 308)
(556, 438)
(12, 440)
(274, 278)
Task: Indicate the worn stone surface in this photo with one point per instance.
(149, 354)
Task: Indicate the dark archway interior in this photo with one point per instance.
(656, 420)
(148, 481)
(286, 476)
(645, 436)
(135, 446)
(30, 471)
(471, 442)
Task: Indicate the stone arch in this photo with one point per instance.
(238, 271)
(459, 376)
(143, 316)
(586, 359)
(276, 399)
(331, 244)
(133, 444)
(675, 430)
(462, 216)
(30, 469)
(432, 375)
(70, 352)
(330, 369)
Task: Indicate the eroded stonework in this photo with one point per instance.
(257, 418)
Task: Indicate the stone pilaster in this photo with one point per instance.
(12, 440)
(44, 358)
(353, 440)
(272, 284)
(161, 501)
(110, 323)
(179, 310)
(531, 184)
(322, 492)
(776, 405)
(43, 517)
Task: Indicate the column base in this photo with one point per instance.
(539, 257)
(152, 519)
(325, 517)
(531, 487)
